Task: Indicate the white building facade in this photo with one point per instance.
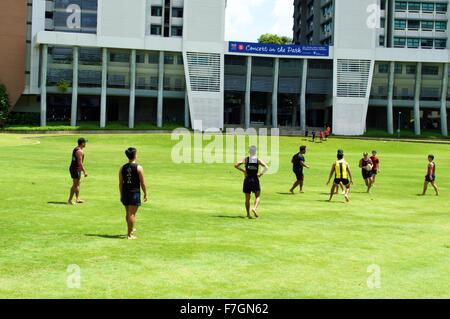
(166, 61)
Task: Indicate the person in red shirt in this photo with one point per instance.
(431, 176)
(376, 166)
(327, 132)
(321, 136)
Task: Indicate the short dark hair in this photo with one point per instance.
(340, 156)
(302, 148)
(81, 141)
(131, 153)
(431, 156)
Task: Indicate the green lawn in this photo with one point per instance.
(192, 242)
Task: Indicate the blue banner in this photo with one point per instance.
(276, 49)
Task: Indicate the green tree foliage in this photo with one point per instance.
(274, 39)
(4, 105)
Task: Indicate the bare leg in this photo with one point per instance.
(425, 187)
(257, 202)
(297, 183)
(334, 188)
(73, 190)
(247, 204)
(301, 186)
(373, 179)
(369, 184)
(435, 188)
(77, 193)
(131, 221)
(346, 195)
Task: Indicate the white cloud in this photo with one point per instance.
(246, 20)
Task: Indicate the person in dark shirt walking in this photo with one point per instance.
(75, 169)
(131, 180)
(298, 163)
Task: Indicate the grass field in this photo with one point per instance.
(193, 242)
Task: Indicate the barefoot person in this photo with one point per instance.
(298, 163)
(376, 166)
(131, 180)
(431, 176)
(75, 169)
(251, 181)
(366, 166)
(342, 175)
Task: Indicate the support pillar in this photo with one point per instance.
(390, 105)
(104, 87)
(131, 112)
(74, 108)
(248, 88)
(303, 95)
(276, 77)
(159, 112)
(444, 127)
(186, 111)
(44, 85)
(418, 90)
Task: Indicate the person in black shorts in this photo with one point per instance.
(298, 163)
(131, 180)
(75, 169)
(430, 178)
(342, 176)
(366, 166)
(251, 181)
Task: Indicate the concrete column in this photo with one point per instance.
(74, 110)
(186, 110)
(276, 77)
(44, 85)
(248, 89)
(303, 95)
(390, 105)
(104, 88)
(159, 112)
(444, 128)
(418, 90)
(131, 112)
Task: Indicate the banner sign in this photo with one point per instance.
(276, 49)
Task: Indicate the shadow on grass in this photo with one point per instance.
(287, 193)
(57, 203)
(231, 217)
(107, 236)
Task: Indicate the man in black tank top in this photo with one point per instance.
(75, 169)
(131, 180)
(251, 181)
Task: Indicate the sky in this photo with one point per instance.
(246, 20)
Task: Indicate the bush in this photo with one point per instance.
(21, 118)
(4, 105)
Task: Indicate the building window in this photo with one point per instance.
(121, 57)
(382, 41)
(177, 31)
(156, 11)
(413, 25)
(400, 24)
(155, 29)
(440, 43)
(169, 59)
(401, 5)
(413, 43)
(399, 42)
(411, 69)
(430, 70)
(153, 57)
(140, 57)
(383, 68)
(426, 43)
(441, 26)
(441, 7)
(177, 12)
(398, 68)
(427, 25)
(427, 7)
(414, 6)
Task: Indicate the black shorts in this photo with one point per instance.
(430, 179)
(374, 173)
(251, 185)
(366, 174)
(299, 175)
(74, 173)
(344, 181)
(131, 199)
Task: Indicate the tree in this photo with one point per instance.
(274, 39)
(4, 105)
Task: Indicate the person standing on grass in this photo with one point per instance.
(342, 175)
(75, 169)
(376, 166)
(251, 181)
(298, 163)
(431, 176)
(366, 166)
(131, 180)
(314, 135)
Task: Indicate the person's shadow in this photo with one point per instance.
(230, 217)
(57, 203)
(105, 236)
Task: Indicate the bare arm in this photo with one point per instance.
(120, 183)
(349, 173)
(79, 156)
(331, 173)
(238, 166)
(266, 168)
(304, 165)
(360, 163)
(142, 180)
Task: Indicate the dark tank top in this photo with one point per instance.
(130, 176)
(74, 161)
(365, 163)
(252, 167)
